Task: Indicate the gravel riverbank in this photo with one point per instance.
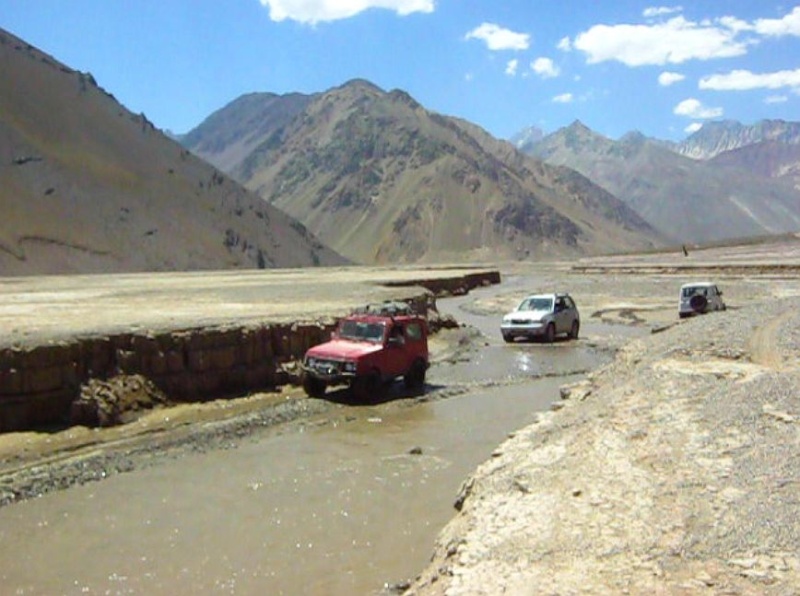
(672, 470)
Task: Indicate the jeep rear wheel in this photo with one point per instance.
(313, 387)
(415, 377)
(573, 332)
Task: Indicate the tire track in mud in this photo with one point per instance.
(763, 345)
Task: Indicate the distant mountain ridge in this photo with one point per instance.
(88, 187)
(381, 179)
(686, 199)
(716, 137)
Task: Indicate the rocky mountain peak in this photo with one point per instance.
(633, 138)
(527, 137)
(726, 135)
(382, 179)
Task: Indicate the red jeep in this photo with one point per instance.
(370, 348)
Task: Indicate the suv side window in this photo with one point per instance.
(568, 303)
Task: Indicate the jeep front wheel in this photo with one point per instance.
(313, 387)
(415, 377)
(366, 387)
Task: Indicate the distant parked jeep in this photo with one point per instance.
(699, 298)
(369, 349)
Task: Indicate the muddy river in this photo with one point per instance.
(342, 504)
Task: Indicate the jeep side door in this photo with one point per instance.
(416, 342)
(395, 357)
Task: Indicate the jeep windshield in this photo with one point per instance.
(361, 331)
(545, 304)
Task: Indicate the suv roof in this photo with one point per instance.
(698, 284)
(549, 295)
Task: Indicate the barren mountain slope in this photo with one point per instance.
(230, 134)
(87, 187)
(770, 159)
(686, 199)
(381, 179)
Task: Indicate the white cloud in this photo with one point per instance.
(788, 25)
(545, 68)
(693, 127)
(316, 11)
(735, 25)
(693, 108)
(776, 99)
(660, 11)
(672, 42)
(511, 67)
(564, 44)
(563, 98)
(744, 80)
(666, 78)
(498, 38)
(469, 77)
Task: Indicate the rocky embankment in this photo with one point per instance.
(672, 470)
(150, 356)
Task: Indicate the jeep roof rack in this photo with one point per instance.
(388, 308)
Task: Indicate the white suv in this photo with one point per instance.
(698, 298)
(542, 316)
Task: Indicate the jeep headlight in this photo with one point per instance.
(349, 367)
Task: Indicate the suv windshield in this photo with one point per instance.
(361, 331)
(536, 304)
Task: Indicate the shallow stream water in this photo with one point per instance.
(334, 506)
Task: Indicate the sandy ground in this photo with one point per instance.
(51, 308)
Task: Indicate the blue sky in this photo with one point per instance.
(617, 66)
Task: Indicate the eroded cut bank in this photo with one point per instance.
(42, 382)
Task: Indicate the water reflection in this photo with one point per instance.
(342, 507)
